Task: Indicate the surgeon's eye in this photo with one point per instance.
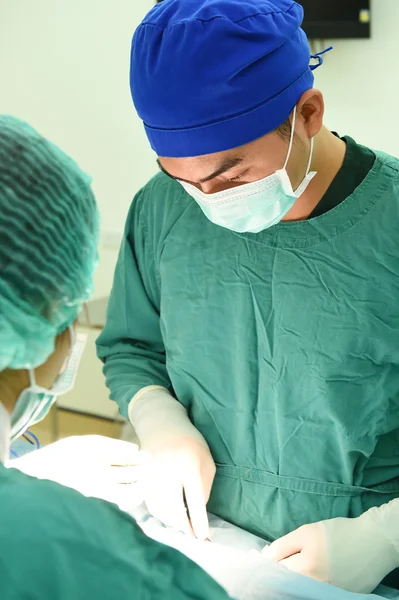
(238, 177)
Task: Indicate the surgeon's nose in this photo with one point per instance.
(212, 187)
(209, 187)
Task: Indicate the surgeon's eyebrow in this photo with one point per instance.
(226, 165)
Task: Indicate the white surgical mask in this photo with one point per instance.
(254, 206)
(35, 401)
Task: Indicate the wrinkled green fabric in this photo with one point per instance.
(58, 545)
(283, 346)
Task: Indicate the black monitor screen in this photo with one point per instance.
(337, 18)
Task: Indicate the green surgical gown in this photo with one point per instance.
(55, 544)
(282, 345)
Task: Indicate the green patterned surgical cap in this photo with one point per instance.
(49, 227)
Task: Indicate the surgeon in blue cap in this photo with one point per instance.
(252, 331)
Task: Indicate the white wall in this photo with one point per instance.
(360, 82)
(64, 68)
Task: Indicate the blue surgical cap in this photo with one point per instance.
(210, 75)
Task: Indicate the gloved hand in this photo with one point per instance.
(94, 465)
(179, 461)
(353, 554)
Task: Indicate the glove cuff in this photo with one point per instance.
(385, 521)
(158, 418)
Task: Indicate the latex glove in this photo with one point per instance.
(179, 461)
(94, 465)
(353, 554)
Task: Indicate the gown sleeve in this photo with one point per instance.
(131, 344)
(57, 545)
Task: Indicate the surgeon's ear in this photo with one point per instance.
(311, 112)
(47, 373)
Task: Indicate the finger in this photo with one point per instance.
(164, 499)
(294, 563)
(123, 475)
(196, 505)
(286, 546)
(127, 497)
(299, 563)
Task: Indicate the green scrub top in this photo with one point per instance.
(58, 545)
(282, 345)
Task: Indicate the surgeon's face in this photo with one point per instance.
(223, 170)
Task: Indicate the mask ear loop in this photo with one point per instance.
(32, 378)
(72, 334)
(291, 139)
(310, 156)
(291, 144)
(73, 337)
(299, 191)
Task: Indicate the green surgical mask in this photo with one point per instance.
(255, 206)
